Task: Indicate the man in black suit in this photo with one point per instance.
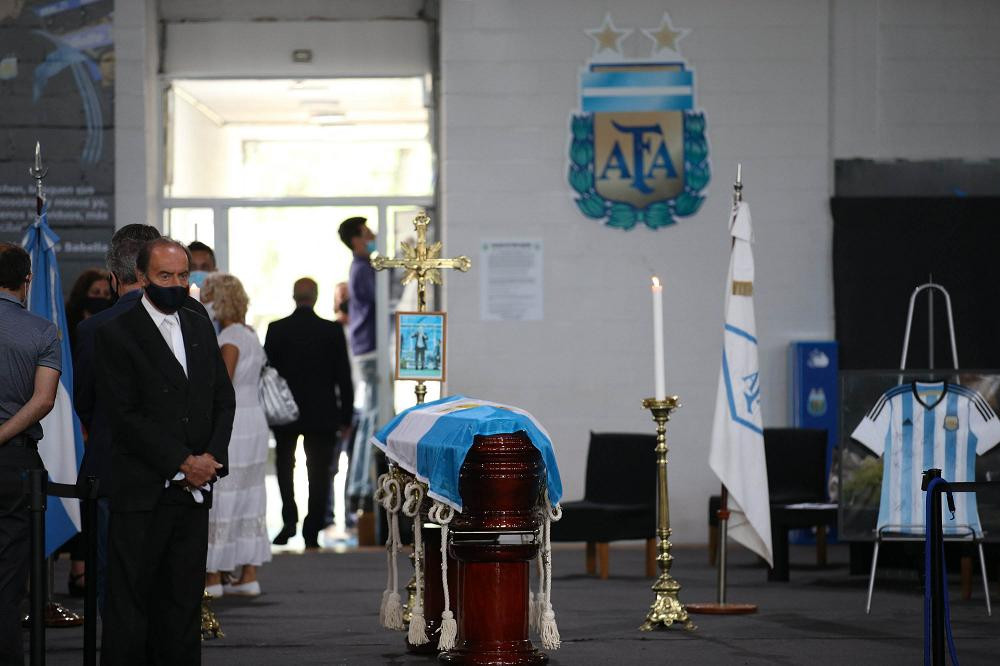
(172, 408)
(92, 407)
(311, 354)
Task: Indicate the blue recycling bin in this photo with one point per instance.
(814, 400)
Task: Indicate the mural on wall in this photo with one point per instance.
(57, 70)
(638, 153)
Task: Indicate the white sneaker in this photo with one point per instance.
(214, 590)
(251, 589)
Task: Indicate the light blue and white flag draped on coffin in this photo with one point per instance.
(737, 451)
(430, 441)
(61, 447)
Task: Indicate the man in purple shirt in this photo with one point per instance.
(361, 285)
(356, 235)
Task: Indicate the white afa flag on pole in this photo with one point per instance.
(61, 447)
(737, 451)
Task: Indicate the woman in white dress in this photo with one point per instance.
(237, 531)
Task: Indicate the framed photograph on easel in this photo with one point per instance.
(421, 339)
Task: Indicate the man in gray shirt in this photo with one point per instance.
(30, 365)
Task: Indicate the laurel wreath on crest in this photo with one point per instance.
(623, 215)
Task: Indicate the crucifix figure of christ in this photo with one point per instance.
(423, 263)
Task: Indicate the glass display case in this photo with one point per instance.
(857, 478)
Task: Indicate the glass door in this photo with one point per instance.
(190, 224)
(271, 247)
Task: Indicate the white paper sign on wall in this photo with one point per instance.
(510, 280)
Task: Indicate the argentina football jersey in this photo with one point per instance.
(920, 425)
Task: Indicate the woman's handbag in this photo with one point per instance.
(276, 398)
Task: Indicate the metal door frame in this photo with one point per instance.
(220, 208)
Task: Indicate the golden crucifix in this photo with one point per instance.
(423, 263)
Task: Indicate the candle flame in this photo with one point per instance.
(656, 281)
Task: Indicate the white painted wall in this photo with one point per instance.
(916, 79)
(202, 147)
(509, 80)
(258, 50)
(787, 87)
(136, 113)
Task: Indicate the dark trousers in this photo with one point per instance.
(343, 445)
(320, 449)
(15, 548)
(156, 578)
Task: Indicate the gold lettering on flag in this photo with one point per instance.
(741, 288)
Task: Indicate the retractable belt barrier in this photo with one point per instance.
(937, 614)
(37, 488)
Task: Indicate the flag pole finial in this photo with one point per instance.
(38, 172)
(738, 185)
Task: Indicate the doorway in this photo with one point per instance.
(264, 171)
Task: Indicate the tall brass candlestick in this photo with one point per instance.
(666, 607)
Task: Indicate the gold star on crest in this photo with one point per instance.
(665, 37)
(607, 37)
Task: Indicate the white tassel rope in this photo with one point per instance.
(414, 493)
(442, 514)
(547, 617)
(392, 502)
(379, 497)
(536, 600)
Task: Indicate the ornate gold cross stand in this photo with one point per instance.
(666, 608)
(423, 263)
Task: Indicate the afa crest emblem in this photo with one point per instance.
(639, 151)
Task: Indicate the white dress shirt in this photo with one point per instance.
(169, 326)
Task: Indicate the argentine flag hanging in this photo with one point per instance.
(737, 451)
(61, 447)
(430, 441)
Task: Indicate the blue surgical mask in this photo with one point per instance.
(371, 247)
(198, 278)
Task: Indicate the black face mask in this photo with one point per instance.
(343, 305)
(166, 299)
(94, 304)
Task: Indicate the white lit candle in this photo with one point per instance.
(194, 291)
(661, 386)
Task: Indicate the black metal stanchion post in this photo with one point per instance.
(37, 479)
(935, 537)
(91, 580)
(937, 580)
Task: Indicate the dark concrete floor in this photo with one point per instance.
(322, 608)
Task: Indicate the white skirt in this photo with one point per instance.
(237, 528)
